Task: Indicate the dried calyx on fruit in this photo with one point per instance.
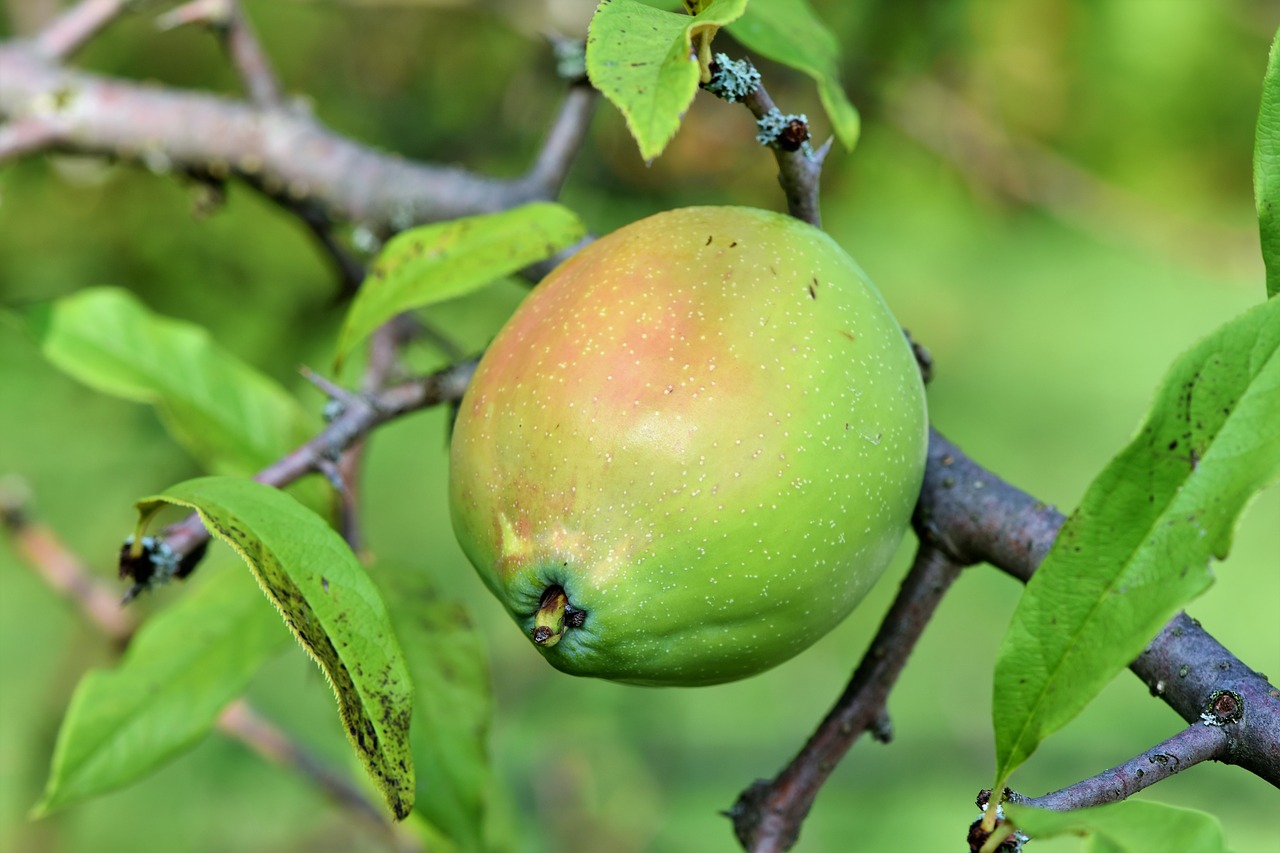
(692, 449)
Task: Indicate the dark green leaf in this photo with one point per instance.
(453, 704)
(1266, 169)
(433, 263)
(641, 59)
(183, 667)
(332, 606)
(1138, 547)
(788, 31)
(1132, 826)
(226, 414)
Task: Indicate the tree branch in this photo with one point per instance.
(284, 152)
(61, 569)
(75, 27)
(227, 19)
(978, 517)
(767, 816)
(359, 414)
(799, 167)
(65, 573)
(967, 515)
(1194, 744)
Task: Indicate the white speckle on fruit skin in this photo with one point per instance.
(565, 435)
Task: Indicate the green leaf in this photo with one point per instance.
(226, 414)
(433, 263)
(641, 59)
(332, 607)
(1137, 549)
(1132, 826)
(183, 667)
(453, 704)
(1266, 169)
(789, 32)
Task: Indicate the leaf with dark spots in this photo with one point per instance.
(452, 703)
(338, 617)
(1138, 547)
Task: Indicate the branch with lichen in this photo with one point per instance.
(966, 515)
(67, 574)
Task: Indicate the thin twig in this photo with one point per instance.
(768, 815)
(563, 142)
(1194, 744)
(241, 722)
(249, 59)
(62, 570)
(361, 414)
(74, 28)
(385, 346)
(227, 18)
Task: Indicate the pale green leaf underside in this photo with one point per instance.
(640, 58)
(432, 263)
(1266, 169)
(453, 704)
(789, 32)
(1138, 547)
(1132, 826)
(183, 667)
(330, 604)
(231, 418)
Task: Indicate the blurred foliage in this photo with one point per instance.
(1051, 312)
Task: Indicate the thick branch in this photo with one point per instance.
(283, 151)
(968, 515)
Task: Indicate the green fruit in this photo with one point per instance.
(692, 449)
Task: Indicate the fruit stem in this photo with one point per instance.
(548, 622)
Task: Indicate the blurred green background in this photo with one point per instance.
(1055, 198)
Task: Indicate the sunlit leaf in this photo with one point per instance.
(229, 416)
(1138, 547)
(789, 32)
(183, 667)
(452, 705)
(644, 61)
(433, 263)
(329, 603)
(1132, 826)
(1266, 169)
